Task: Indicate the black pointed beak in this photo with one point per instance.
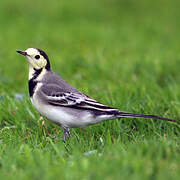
(22, 52)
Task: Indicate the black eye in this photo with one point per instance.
(37, 56)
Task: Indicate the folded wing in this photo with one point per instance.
(54, 95)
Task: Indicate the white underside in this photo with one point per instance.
(62, 116)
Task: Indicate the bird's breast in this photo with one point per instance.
(65, 116)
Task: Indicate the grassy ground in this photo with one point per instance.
(122, 53)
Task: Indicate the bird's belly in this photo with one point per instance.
(67, 117)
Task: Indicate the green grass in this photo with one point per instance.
(123, 53)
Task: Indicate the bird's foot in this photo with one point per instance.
(67, 134)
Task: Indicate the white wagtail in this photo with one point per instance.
(62, 104)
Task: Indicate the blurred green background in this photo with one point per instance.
(124, 53)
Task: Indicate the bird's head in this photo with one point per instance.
(36, 58)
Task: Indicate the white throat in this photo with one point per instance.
(31, 71)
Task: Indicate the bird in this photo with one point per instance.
(63, 104)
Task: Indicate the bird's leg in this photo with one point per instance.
(67, 134)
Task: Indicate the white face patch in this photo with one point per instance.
(31, 51)
(35, 59)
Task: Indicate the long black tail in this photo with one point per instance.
(103, 110)
(130, 115)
